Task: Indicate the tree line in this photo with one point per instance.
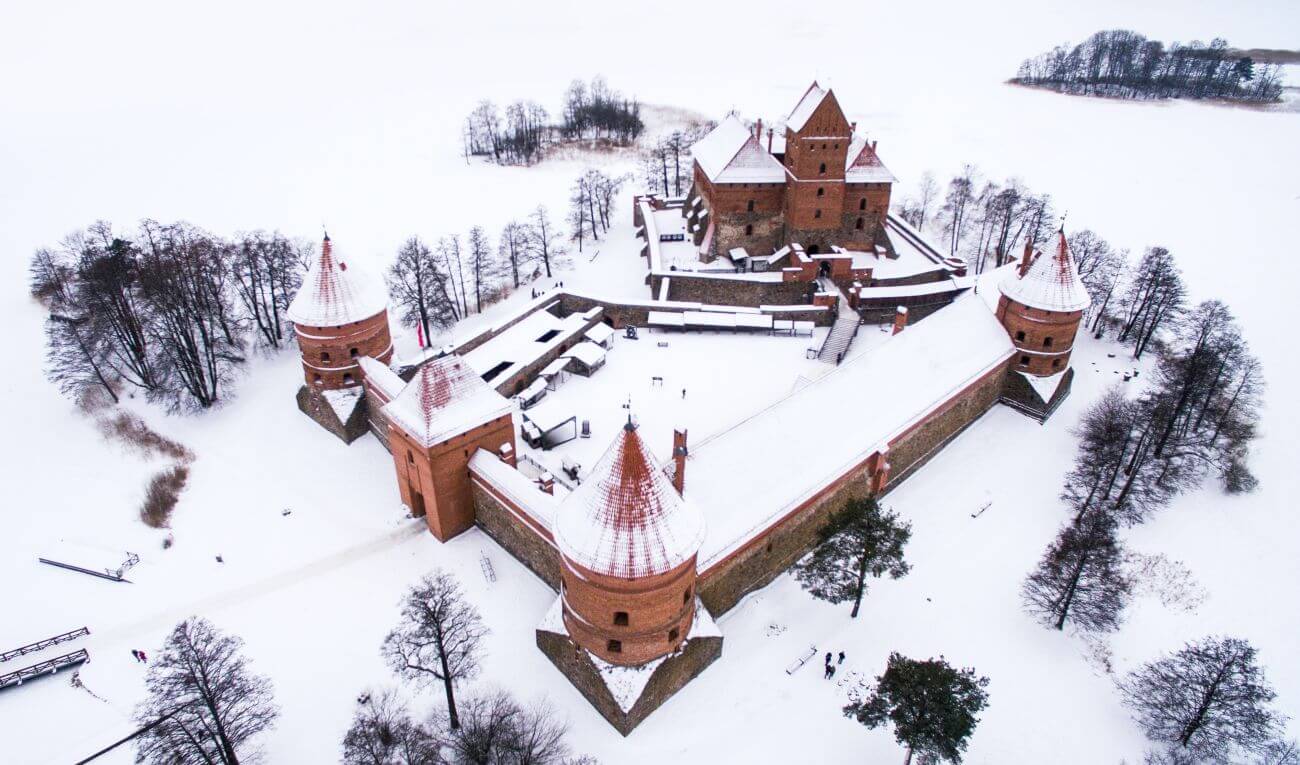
(591, 112)
(168, 310)
(1124, 64)
(666, 166)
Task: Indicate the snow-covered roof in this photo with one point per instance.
(812, 98)
(334, 294)
(588, 353)
(380, 376)
(893, 386)
(599, 333)
(862, 165)
(625, 519)
(1052, 283)
(445, 398)
(731, 154)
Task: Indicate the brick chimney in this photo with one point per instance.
(873, 147)
(507, 453)
(853, 128)
(546, 483)
(900, 318)
(1026, 257)
(679, 461)
(758, 133)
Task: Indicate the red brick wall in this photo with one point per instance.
(438, 477)
(1037, 325)
(655, 606)
(329, 354)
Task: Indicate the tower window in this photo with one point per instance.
(316, 379)
(672, 635)
(822, 170)
(1020, 335)
(1047, 342)
(324, 356)
(614, 646)
(1024, 361)
(750, 206)
(353, 353)
(749, 230)
(347, 379)
(1056, 363)
(410, 457)
(862, 204)
(858, 225)
(620, 618)
(686, 596)
(821, 192)
(817, 213)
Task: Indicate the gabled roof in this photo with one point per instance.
(731, 154)
(812, 98)
(446, 398)
(1052, 283)
(332, 294)
(862, 165)
(625, 519)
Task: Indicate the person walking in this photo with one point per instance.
(841, 661)
(135, 654)
(143, 659)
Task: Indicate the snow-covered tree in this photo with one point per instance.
(1210, 699)
(932, 706)
(860, 540)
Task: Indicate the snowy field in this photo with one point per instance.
(291, 116)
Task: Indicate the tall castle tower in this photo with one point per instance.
(339, 315)
(436, 424)
(1041, 306)
(628, 544)
(817, 138)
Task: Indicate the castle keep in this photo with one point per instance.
(660, 535)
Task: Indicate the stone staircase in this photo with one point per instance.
(836, 346)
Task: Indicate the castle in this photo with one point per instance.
(644, 552)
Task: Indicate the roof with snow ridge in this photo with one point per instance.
(625, 519)
(812, 98)
(1052, 283)
(862, 165)
(444, 399)
(333, 294)
(731, 154)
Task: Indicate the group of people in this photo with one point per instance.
(831, 664)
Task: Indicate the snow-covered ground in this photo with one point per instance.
(292, 115)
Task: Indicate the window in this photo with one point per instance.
(750, 206)
(862, 204)
(672, 635)
(614, 646)
(1047, 342)
(1020, 335)
(1024, 361)
(749, 230)
(353, 352)
(316, 379)
(324, 356)
(410, 457)
(822, 170)
(1056, 363)
(823, 147)
(817, 213)
(858, 225)
(686, 596)
(821, 192)
(347, 379)
(620, 618)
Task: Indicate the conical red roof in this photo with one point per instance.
(334, 294)
(626, 520)
(1051, 283)
(445, 398)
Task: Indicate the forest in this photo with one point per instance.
(1123, 64)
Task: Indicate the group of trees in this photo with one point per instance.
(590, 113)
(982, 221)
(169, 309)
(435, 287)
(1122, 63)
(591, 204)
(666, 165)
(438, 643)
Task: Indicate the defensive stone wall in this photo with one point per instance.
(695, 288)
(527, 544)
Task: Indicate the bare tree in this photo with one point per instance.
(437, 639)
(543, 238)
(75, 356)
(448, 252)
(216, 705)
(482, 269)
(266, 275)
(1154, 299)
(496, 730)
(50, 277)
(383, 733)
(1210, 699)
(1080, 578)
(107, 290)
(513, 251)
(420, 287)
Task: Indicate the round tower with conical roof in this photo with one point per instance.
(1041, 306)
(339, 315)
(628, 543)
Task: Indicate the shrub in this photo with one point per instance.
(161, 496)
